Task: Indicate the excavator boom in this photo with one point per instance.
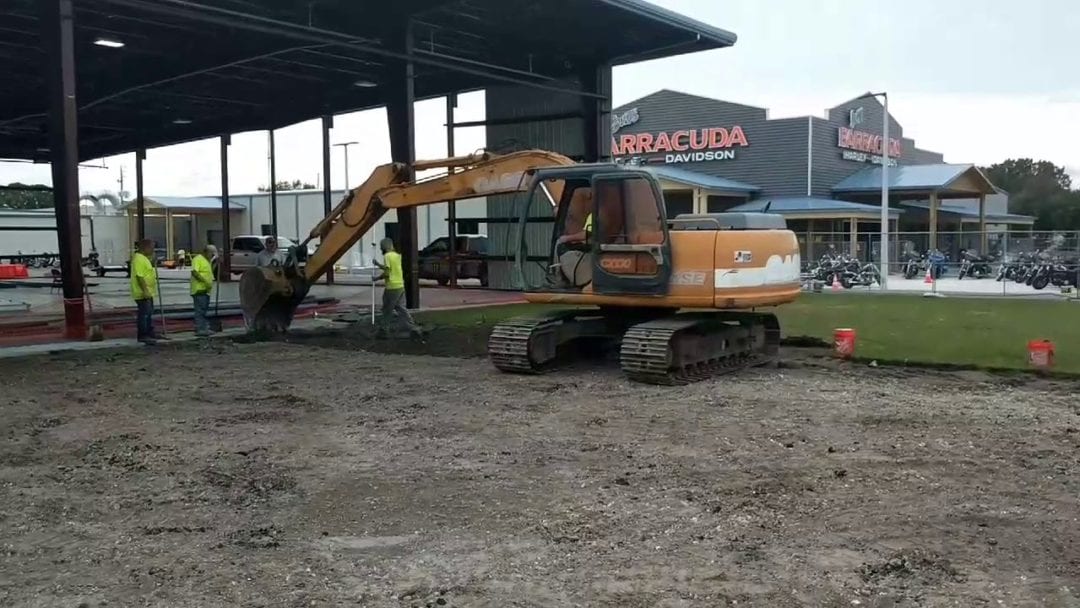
(269, 296)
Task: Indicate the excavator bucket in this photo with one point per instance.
(269, 298)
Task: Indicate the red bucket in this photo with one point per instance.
(844, 342)
(1041, 354)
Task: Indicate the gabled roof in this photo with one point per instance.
(700, 180)
(920, 179)
(813, 205)
(184, 203)
(968, 212)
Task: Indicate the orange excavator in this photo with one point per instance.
(676, 296)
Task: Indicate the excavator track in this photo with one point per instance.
(693, 347)
(526, 345)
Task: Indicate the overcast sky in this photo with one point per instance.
(979, 80)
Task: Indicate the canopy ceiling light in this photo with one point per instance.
(109, 43)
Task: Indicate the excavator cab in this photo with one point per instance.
(610, 231)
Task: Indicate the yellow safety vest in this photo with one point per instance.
(142, 268)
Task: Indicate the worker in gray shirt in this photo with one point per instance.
(270, 255)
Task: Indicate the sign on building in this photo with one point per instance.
(682, 146)
(860, 146)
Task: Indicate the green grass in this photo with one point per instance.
(986, 333)
(990, 333)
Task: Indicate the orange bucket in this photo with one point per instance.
(844, 342)
(1041, 354)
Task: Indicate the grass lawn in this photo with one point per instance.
(990, 333)
(969, 331)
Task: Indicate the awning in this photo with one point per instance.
(809, 207)
(701, 180)
(971, 214)
(920, 179)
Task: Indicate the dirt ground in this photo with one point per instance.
(319, 474)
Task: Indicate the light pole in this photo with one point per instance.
(345, 146)
(884, 247)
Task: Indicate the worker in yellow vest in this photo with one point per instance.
(393, 300)
(144, 289)
(202, 283)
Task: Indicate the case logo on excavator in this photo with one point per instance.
(688, 277)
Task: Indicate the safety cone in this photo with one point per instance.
(929, 279)
(836, 286)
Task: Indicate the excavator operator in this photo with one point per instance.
(575, 259)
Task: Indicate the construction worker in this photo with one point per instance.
(202, 283)
(270, 255)
(393, 300)
(144, 289)
(576, 262)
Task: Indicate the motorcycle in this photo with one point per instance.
(912, 266)
(1055, 272)
(972, 265)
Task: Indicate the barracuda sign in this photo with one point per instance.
(683, 146)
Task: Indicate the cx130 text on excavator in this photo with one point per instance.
(676, 296)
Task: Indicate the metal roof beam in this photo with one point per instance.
(183, 8)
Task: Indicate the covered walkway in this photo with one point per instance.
(929, 183)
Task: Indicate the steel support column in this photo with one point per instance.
(225, 265)
(140, 203)
(593, 113)
(982, 225)
(58, 24)
(400, 98)
(854, 236)
(451, 206)
(328, 206)
(933, 220)
(273, 187)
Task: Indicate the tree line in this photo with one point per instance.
(1038, 188)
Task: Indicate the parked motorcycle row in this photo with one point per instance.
(1039, 269)
(971, 266)
(844, 269)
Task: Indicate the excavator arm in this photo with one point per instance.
(269, 296)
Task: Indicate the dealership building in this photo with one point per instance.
(823, 174)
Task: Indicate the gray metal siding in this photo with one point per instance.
(829, 165)
(668, 110)
(919, 156)
(565, 136)
(774, 160)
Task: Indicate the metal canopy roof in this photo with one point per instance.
(811, 205)
(920, 178)
(191, 69)
(701, 180)
(967, 213)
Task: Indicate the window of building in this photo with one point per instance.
(678, 202)
(468, 226)
(719, 204)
